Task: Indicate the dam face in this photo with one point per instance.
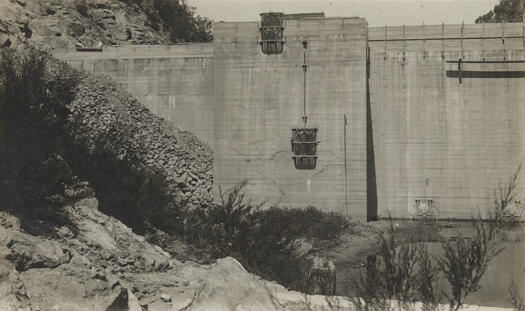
(460, 137)
(420, 124)
(259, 99)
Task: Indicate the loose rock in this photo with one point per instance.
(165, 297)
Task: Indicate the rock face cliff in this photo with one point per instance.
(82, 23)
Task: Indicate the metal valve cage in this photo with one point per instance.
(425, 208)
(304, 148)
(272, 39)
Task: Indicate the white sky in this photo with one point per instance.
(377, 12)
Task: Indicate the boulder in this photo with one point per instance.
(120, 302)
(32, 252)
(113, 240)
(133, 302)
(13, 296)
(165, 297)
(4, 40)
(71, 287)
(182, 305)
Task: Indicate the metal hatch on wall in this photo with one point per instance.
(272, 28)
(304, 140)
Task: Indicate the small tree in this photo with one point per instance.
(465, 261)
(392, 274)
(428, 280)
(514, 296)
(504, 198)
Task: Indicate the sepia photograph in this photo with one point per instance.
(317, 155)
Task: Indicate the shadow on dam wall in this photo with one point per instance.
(371, 185)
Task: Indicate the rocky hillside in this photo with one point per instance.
(145, 171)
(93, 23)
(97, 263)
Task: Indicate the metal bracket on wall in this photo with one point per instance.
(461, 73)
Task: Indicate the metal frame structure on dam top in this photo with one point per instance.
(434, 112)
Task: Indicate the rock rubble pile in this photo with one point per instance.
(106, 119)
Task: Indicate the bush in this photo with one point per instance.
(221, 227)
(307, 222)
(507, 211)
(466, 260)
(514, 296)
(407, 273)
(34, 90)
(427, 280)
(260, 239)
(180, 20)
(393, 273)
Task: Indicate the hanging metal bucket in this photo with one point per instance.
(304, 148)
(272, 33)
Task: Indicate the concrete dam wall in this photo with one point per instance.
(175, 82)
(259, 99)
(421, 134)
(434, 136)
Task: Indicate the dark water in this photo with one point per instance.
(508, 265)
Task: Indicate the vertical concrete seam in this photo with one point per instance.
(442, 41)
(483, 40)
(503, 39)
(523, 31)
(386, 38)
(424, 41)
(131, 70)
(404, 45)
(156, 69)
(462, 36)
